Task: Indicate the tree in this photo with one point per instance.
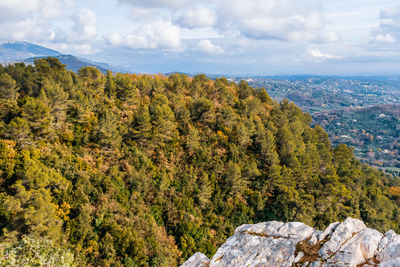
(32, 205)
(34, 251)
(38, 116)
(205, 190)
(163, 120)
(8, 87)
(234, 180)
(202, 110)
(141, 129)
(18, 130)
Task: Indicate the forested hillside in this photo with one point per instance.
(142, 170)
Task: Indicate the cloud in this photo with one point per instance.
(15, 10)
(271, 19)
(385, 38)
(85, 25)
(85, 49)
(159, 34)
(327, 37)
(29, 28)
(197, 18)
(284, 20)
(388, 31)
(52, 8)
(206, 46)
(157, 3)
(141, 13)
(318, 56)
(29, 20)
(389, 13)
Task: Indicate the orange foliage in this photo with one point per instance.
(395, 191)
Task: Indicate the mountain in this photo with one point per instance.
(349, 243)
(27, 52)
(72, 63)
(15, 51)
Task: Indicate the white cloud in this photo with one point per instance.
(285, 20)
(28, 20)
(29, 28)
(21, 9)
(159, 34)
(327, 37)
(17, 9)
(85, 25)
(85, 49)
(141, 13)
(157, 3)
(319, 56)
(385, 38)
(52, 8)
(206, 46)
(271, 19)
(197, 18)
(390, 13)
(388, 31)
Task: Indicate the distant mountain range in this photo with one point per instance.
(11, 52)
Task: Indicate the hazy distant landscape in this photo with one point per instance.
(362, 112)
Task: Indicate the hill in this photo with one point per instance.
(72, 63)
(27, 52)
(143, 170)
(13, 51)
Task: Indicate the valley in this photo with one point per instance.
(362, 112)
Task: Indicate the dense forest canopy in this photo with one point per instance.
(140, 170)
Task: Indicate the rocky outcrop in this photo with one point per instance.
(198, 259)
(349, 243)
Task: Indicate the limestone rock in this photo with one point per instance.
(389, 248)
(341, 234)
(263, 244)
(349, 243)
(197, 260)
(358, 249)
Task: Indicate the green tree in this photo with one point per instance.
(34, 251)
(8, 87)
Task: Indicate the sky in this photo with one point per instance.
(231, 37)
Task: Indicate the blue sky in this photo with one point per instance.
(262, 37)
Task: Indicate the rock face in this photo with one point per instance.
(349, 243)
(198, 259)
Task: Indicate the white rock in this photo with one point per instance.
(389, 237)
(299, 256)
(328, 231)
(197, 260)
(296, 230)
(357, 249)
(263, 244)
(266, 228)
(349, 243)
(251, 250)
(391, 263)
(389, 248)
(341, 234)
